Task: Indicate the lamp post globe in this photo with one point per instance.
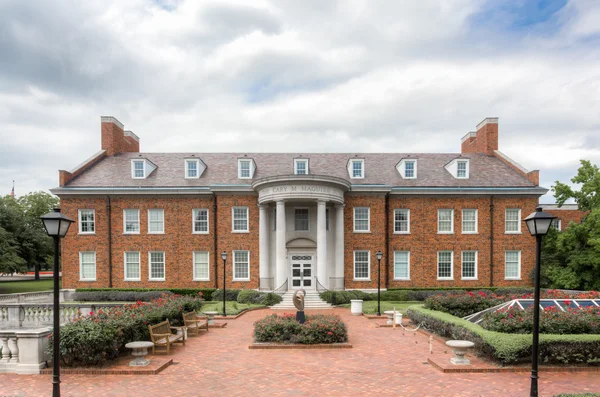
(56, 225)
(538, 224)
(224, 257)
(379, 255)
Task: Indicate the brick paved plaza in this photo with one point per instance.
(382, 362)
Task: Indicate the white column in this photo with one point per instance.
(281, 271)
(322, 244)
(339, 241)
(263, 243)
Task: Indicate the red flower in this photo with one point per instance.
(330, 333)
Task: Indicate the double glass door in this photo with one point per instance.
(302, 271)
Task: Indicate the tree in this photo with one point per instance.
(588, 197)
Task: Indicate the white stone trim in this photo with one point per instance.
(111, 119)
(487, 120)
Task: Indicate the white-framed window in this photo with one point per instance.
(469, 221)
(132, 266)
(556, 224)
(301, 166)
(239, 217)
(512, 265)
(301, 219)
(445, 221)
(357, 168)
(87, 222)
(462, 169)
(469, 265)
(192, 168)
(138, 169)
(131, 221)
(362, 265)
(241, 265)
(87, 266)
(327, 219)
(200, 221)
(410, 169)
(156, 221)
(401, 265)
(156, 266)
(512, 221)
(244, 169)
(201, 266)
(445, 265)
(402, 221)
(362, 222)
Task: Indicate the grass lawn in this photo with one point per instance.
(370, 307)
(233, 308)
(13, 287)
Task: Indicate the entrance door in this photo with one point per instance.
(302, 275)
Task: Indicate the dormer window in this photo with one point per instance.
(407, 168)
(246, 168)
(459, 168)
(141, 168)
(301, 166)
(194, 168)
(356, 168)
(138, 169)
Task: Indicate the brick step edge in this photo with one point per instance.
(467, 369)
(274, 346)
(108, 371)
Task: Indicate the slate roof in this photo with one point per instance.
(380, 169)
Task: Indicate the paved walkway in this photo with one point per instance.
(383, 362)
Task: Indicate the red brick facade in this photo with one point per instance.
(566, 216)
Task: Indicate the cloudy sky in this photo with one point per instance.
(310, 75)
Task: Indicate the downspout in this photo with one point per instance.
(387, 239)
(109, 238)
(491, 241)
(215, 254)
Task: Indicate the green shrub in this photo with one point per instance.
(510, 348)
(248, 296)
(552, 321)
(319, 328)
(462, 304)
(393, 296)
(232, 295)
(206, 292)
(101, 336)
(269, 299)
(118, 296)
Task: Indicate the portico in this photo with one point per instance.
(301, 231)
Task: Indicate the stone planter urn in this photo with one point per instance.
(356, 307)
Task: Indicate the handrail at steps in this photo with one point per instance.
(282, 289)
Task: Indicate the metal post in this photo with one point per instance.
(56, 332)
(378, 287)
(224, 289)
(536, 321)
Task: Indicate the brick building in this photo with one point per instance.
(565, 214)
(157, 220)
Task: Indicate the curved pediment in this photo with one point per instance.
(301, 243)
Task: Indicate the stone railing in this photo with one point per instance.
(35, 315)
(24, 351)
(35, 297)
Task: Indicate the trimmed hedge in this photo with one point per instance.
(318, 328)
(206, 292)
(510, 348)
(232, 295)
(118, 296)
(258, 298)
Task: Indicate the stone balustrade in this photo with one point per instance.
(35, 315)
(35, 297)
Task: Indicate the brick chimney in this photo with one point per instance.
(484, 140)
(115, 139)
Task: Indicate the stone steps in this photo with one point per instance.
(312, 300)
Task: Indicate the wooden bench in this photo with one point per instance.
(161, 336)
(194, 323)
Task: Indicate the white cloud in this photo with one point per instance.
(292, 76)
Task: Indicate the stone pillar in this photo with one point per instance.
(339, 241)
(281, 272)
(5, 350)
(14, 350)
(263, 245)
(322, 244)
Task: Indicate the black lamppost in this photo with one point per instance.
(56, 225)
(379, 255)
(538, 224)
(224, 257)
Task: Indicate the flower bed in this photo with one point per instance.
(101, 336)
(510, 348)
(318, 329)
(466, 303)
(552, 321)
